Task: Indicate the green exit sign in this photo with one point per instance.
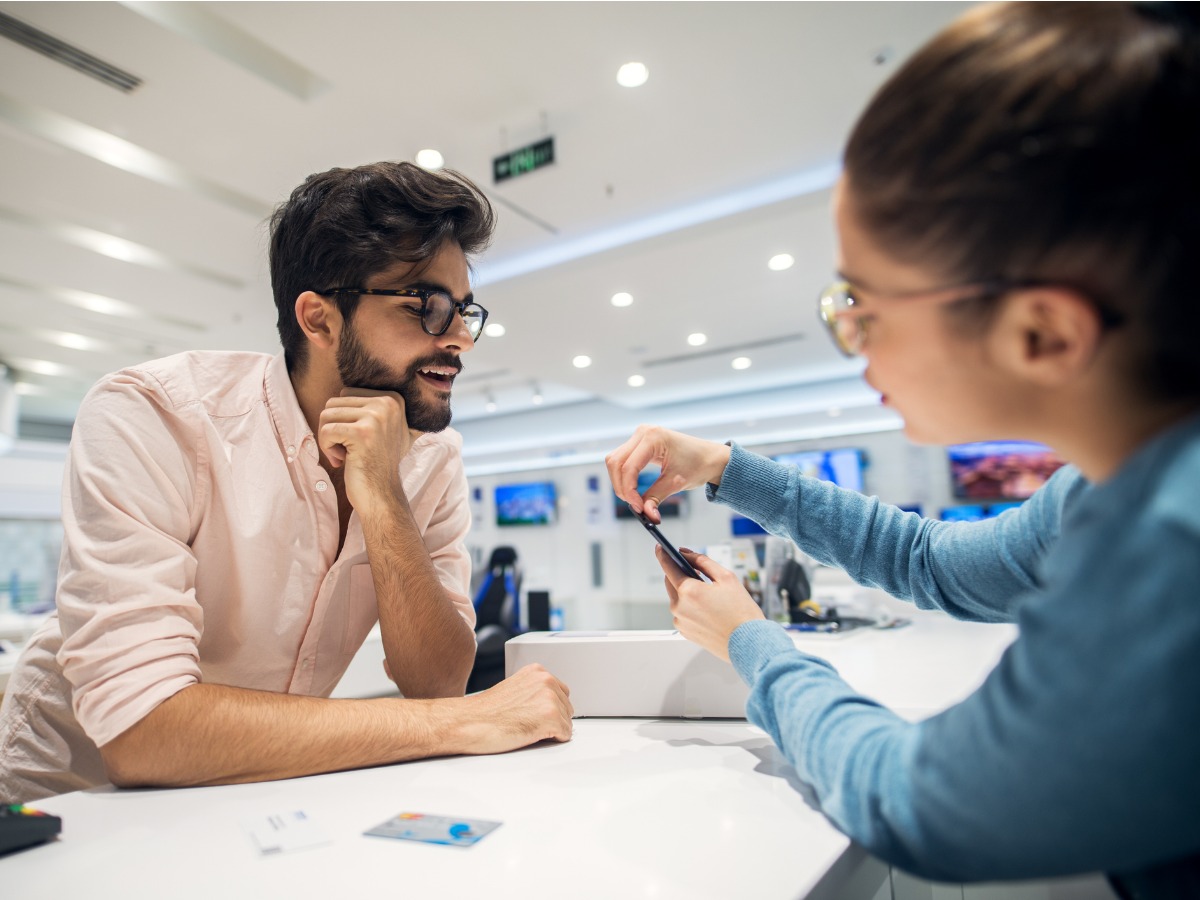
(524, 160)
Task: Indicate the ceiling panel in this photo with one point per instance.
(677, 192)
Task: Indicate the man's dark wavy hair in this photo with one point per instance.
(341, 227)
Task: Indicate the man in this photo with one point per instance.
(235, 523)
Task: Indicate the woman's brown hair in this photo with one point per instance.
(1056, 142)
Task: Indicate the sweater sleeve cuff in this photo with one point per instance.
(753, 644)
(748, 481)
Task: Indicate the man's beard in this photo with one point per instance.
(358, 369)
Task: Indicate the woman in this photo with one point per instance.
(1017, 220)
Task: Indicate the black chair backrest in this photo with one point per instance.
(491, 607)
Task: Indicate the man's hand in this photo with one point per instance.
(366, 432)
(707, 613)
(529, 706)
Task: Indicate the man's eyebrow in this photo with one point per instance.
(434, 286)
(857, 282)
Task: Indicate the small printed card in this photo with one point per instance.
(282, 832)
(449, 830)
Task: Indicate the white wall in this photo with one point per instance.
(31, 481)
(558, 557)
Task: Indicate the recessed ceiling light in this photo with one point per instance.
(430, 159)
(493, 329)
(780, 261)
(622, 299)
(632, 74)
(697, 339)
(741, 362)
(581, 361)
(635, 380)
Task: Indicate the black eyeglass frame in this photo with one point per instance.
(422, 294)
(984, 289)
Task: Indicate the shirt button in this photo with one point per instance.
(321, 485)
(291, 451)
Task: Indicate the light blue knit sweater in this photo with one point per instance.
(1081, 751)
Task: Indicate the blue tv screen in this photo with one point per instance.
(672, 507)
(1000, 470)
(843, 467)
(532, 503)
(977, 512)
(972, 512)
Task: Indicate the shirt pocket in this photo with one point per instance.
(362, 609)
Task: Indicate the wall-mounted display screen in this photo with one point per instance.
(1002, 470)
(977, 512)
(843, 467)
(740, 526)
(532, 503)
(672, 507)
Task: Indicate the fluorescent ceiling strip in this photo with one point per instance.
(194, 22)
(48, 368)
(96, 303)
(121, 154)
(809, 181)
(68, 339)
(114, 247)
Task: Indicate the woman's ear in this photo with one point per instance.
(1046, 335)
(318, 318)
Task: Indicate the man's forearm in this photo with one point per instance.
(428, 645)
(214, 734)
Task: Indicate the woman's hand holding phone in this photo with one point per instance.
(706, 612)
(687, 462)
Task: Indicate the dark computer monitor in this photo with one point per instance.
(670, 508)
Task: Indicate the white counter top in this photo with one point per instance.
(663, 809)
(670, 810)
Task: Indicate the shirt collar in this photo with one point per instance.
(286, 415)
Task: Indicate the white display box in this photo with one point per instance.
(633, 673)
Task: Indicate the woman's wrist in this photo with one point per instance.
(720, 459)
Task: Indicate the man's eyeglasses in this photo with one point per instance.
(836, 305)
(437, 308)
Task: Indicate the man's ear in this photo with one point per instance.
(1046, 335)
(319, 319)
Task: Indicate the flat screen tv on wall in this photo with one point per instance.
(531, 503)
(1000, 470)
(672, 507)
(843, 467)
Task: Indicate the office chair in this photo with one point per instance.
(496, 618)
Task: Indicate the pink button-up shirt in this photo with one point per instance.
(201, 545)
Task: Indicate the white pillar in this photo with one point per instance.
(8, 409)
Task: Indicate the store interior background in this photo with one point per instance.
(132, 226)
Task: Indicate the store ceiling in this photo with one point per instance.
(677, 192)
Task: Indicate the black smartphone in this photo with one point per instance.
(676, 556)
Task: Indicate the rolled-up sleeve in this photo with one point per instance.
(438, 493)
(130, 618)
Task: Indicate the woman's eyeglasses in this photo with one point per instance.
(848, 324)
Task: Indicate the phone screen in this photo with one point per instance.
(676, 556)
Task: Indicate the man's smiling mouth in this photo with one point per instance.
(439, 376)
